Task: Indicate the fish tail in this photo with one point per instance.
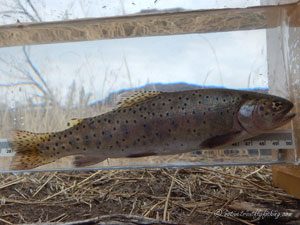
(29, 150)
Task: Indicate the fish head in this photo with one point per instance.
(263, 114)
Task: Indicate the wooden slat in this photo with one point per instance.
(287, 177)
(201, 21)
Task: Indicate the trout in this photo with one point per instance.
(155, 123)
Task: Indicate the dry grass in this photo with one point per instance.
(184, 195)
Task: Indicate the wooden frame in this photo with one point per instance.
(199, 21)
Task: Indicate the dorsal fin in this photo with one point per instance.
(74, 122)
(131, 98)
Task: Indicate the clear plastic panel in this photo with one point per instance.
(44, 86)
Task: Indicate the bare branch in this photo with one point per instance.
(15, 68)
(47, 92)
(12, 12)
(17, 84)
(26, 12)
(34, 10)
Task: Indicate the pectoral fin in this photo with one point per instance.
(221, 140)
(83, 161)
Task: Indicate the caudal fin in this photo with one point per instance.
(30, 150)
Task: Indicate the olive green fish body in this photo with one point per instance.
(157, 123)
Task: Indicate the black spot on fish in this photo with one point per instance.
(266, 113)
(200, 102)
(109, 121)
(77, 139)
(95, 135)
(63, 147)
(65, 135)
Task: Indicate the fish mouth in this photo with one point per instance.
(289, 116)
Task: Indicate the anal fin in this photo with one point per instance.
(83, 161)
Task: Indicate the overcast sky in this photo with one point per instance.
(229, 59)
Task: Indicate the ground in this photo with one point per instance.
(206, 195)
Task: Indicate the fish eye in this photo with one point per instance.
(276, 105)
